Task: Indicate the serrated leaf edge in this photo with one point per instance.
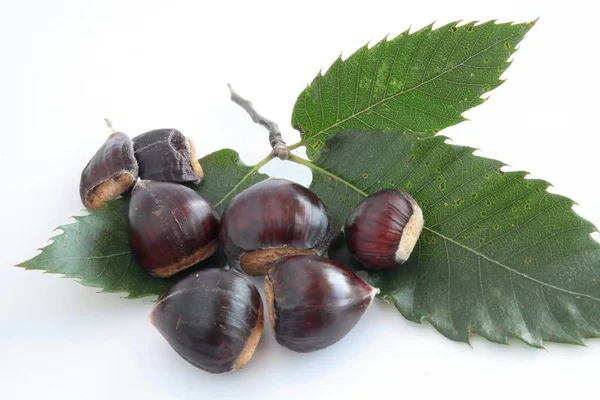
(389, 296)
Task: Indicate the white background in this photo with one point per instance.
(65, 65)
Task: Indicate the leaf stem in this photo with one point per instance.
(280, 150)
(303, 161)
(258, 166)
(296, 145)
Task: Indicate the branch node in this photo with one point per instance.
(281, 151)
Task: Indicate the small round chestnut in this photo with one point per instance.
(383, 229)
(270, 220)
(171, 227)
(314, 302)
(212, 318)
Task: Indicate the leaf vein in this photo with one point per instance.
(449, 284)
(551, 313)
(374, 77)
(407, 90)
(124, 272)
(85, 258)
(519, 226)
(545, 239)
(316, 168)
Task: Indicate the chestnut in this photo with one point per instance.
(110, 172)
(314, 302)
(270, 220)
(167, 155)
(212, 318)
(383, 229)
(171, 227)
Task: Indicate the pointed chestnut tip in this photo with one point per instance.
(314, 302)
(373, 293)
(138, 181)
(139, 185)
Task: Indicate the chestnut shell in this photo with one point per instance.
(110, 172)
(314, 302)
(171, 227)
(383, 229)
(270, 220)
(167, 155)
(212, 318)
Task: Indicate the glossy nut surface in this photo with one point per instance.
(383, 229)
(167, 155)
(270, 220)
(171, 227)
(212, 318)
(313, 302)
(110, 172)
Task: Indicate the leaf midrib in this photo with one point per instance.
(316, 168)
(254, 169)
(86, 258)
(385, 99)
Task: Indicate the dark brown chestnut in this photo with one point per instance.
(171, 227)
(383, 229)
(167, 155)
(110, 172)
(270, 220)
(313, 302)
(212, 318)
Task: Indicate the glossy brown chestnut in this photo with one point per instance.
(212, 318)
(171, 227)
(167, 155)
(313, 302)
(110, 172)
(383, 229)
(271, 220)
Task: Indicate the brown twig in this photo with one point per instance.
(280, 149)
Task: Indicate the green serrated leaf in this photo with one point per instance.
(419, 82)
(226, 175)
(95, 252)
(499, 255)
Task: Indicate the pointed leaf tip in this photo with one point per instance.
(94, 250)
(403, 84)
(499, 256)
